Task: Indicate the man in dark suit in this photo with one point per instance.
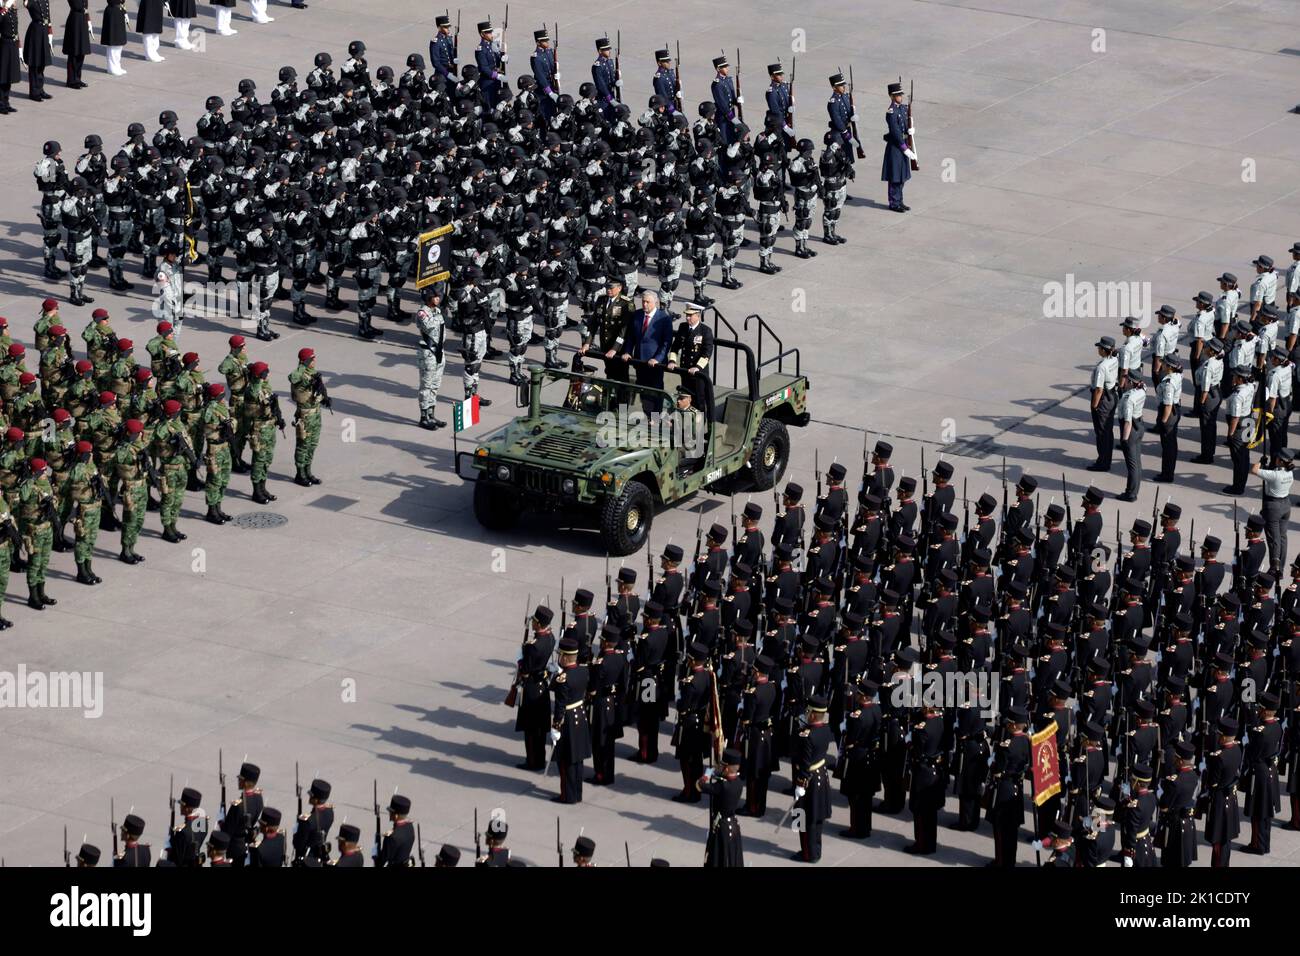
(649, 332)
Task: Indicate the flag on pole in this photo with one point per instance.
(1047, 770)
(464, 414)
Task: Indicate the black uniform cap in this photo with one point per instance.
(88, 854)
(133, 825)
(349, 833)
(219, 839)
(399, 804)
(449, 855)
(270, 816)
(320, 789)
(673, 552)
(627, 575)
(250, 772)
(718, 533)
(584, 846)
(793, 491)
(191, 797)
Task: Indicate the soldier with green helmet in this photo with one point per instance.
(261, 407)
(306, 388)
(218, 432)
(235, 368)
(131, 463)
(172, 447)
(85, 488)
(37, 511)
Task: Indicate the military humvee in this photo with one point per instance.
(615, 449)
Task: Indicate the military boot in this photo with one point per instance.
(83, 576)
(213, 516)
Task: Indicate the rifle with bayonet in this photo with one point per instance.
(853, 111)
(112, 825)
(677, 77)
(911, 122)
(559, 847)
(67, 857)
(221, 778)
(740, 96)
(618, 70)
(478, 845)
(378, 825)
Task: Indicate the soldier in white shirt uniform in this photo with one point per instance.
(1208, 379)
(1169, 401)
(1240, 427)
(1278, 385)
(1202, 328)
(1164, 342)
(1266, 335)
(1105, 375)
(1263, 291)
(1293, 307)
(1243, 349)
(1225, 308)
(1130, 351)
(1132, 402)
(1277, 477)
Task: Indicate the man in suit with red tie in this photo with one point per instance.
(650, 330)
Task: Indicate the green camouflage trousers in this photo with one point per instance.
(86, 529)
(37, 540)
(218, 462)
(6, 555)
(261, 438)
(135, 498)
(173, 478)
(306, 430)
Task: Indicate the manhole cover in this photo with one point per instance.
(260, 519)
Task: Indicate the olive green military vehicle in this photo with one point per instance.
(620, 451)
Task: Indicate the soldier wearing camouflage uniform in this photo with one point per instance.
(11, 370)
(131, 465)
(235, 368)
(305, 388)
(259, 406)
(473, 314)
(300, 227)
(732, 205)
(769, 191)
(52, 180)
(836, 169)
(100, 340)
(218, 432)
(430, 324)
(187, 388)
(28, 412)
(160, 347)
(49, 318)
(83, 397)
(85, 489)
(806, 180)
(119, 195)
(9, 541)
(36, 512)
(60, 453)
(171, 442)
(57, 370)
(553, 278)
(523, 300)
(262, 246)
(366, 240)
(77, 212)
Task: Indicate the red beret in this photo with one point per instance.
(49, 305)
(259, 368)
(17, 349)
(124, 344)
(306, 355)
(84, 448)
(15, 434)
(143, 374)
(62, 415)
(83, 366)
(58, 330)
(38, 464)
(171, 406)
(99, 314)
(190, 358)
(107, 398)
(236, 341)
(4, 323)
(27, 378)
(216, 389)
(164, 328)
(134, 426)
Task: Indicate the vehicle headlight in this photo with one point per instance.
(503, 472)
(480, 452)
(569, 486)
(606, 477)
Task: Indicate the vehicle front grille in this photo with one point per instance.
(538, 479)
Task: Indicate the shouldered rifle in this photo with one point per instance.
(618, 73)
(221, 778)
(320, 391)
(627, 853)
(455, 38)
(853, 111)
(505, 25)
(1236, 551)
(297, 787)
(559, 847)
(180, 444)
(378, 826)
(67, 857)
(740, 106)
(789, 113)
(112, 824)
(275, 410)
(817, 472)
(419, 844)
(171, 803)
(609, 587)
(911, 122)
(677, 77)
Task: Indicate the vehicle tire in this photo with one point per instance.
(770, 455)
(625, 520)
(494, 506)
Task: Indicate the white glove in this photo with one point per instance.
(740, 100)
(799, 792)
(554, 736)
(505, 57)
(909, 154)
(788, 130)
(556, 75)
(555, 96)
(708, 773)
(619, 84)
(853, 118)
(911, 131)
(790, 108)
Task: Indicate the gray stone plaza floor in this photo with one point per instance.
(373, 635)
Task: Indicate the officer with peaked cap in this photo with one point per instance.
(896, 168)
(724, 787)
(812, 787)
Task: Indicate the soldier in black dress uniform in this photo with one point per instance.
(724, 789)
(1262, 749)
(36, 48)
(608, 677)
(812, 781)
(1007, 799)
(218, 845)
(928, 767)
(400, 840)
(651, 686)
(10, 64)
(497, 853)
(534, 716)
(860, 757)
(269, 848)
(1136, 814)
(314, 827)
(972, 766)
(242, 815)
(350, 855)
(569, 731)
(76, 43)
(1177, 806)
(692, 737)
(758, 708)
(134, 853)
(1219, 785)
(185, 843)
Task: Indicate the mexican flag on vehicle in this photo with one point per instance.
(464, 414)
